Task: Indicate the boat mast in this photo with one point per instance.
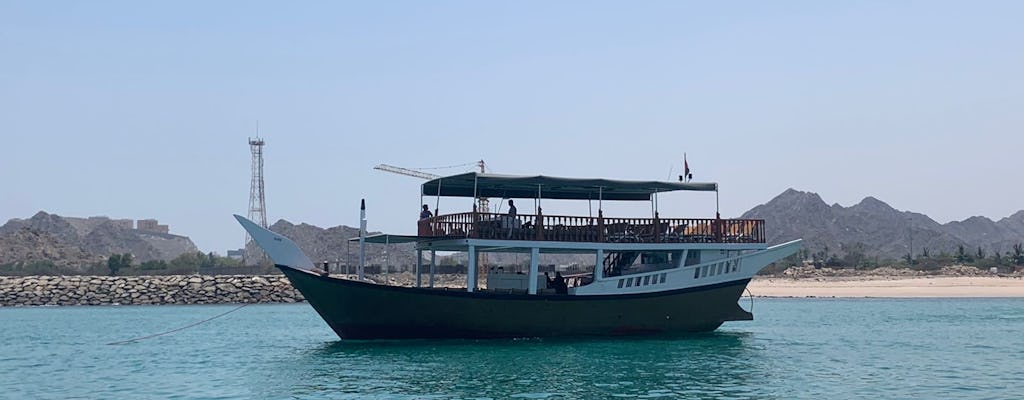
(362, 239)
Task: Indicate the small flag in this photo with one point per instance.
(686, 168)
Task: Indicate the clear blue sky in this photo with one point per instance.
(142, 109)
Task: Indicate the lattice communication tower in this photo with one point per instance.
(257, 202)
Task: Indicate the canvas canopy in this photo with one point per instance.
(515, 186)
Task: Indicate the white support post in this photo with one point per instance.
(433, 263)
(534, 260)
(471, 275)
(599, 265)
(419, 265)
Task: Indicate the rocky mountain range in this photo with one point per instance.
(871, 226)
(81, 241)
(878, 229)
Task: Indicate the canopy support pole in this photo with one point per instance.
(600, 214)
(433, 264)
(471, 274)
(717, 214)
(599, 265)
(534, 263)
(419, 267)
(437, 203)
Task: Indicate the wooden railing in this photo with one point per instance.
(593, 229)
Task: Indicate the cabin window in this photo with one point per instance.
(637, 281)
(696, 273)
(658, 257)
(704, 271)
(720, 267)
(647, 280)
(629, 282)
(692, 258)
(735, 265)
(663, 277)
(620, 282)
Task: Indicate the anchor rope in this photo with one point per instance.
(181, 328)
(751, 297)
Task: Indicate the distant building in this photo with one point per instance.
(236, 254)
(123, 223)
(152, 225)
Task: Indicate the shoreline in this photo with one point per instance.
(935, 286)
(236, 289)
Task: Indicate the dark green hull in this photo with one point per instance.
(357, 310)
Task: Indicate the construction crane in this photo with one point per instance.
(482, 203)
(406, 171)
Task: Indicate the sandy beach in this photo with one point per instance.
(926, 286)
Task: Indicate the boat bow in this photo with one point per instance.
(280, 249)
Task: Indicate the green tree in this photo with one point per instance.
(153, 265)
(114, 263)
(962, 256)
(117, 262)
(924, 253)
(1018, 254)
(981, 254)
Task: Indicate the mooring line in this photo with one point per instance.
(751, 296)
(182, 328)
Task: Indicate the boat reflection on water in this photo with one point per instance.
(714, 364)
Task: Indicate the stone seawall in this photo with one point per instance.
(172, 289)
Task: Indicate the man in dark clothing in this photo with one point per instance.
(426, 212)
(511, 209)
(557, 283)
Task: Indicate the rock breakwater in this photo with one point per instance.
(172, 289)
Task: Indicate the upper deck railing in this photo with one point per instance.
(598, 229)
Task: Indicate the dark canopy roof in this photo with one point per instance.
(514, 186)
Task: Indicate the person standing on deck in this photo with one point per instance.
(426, 212)
(558, 283)
(511, 209)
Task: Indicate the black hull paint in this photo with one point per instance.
(358, 310)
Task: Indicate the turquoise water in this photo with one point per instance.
(795, 349)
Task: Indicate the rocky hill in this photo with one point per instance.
(51, 235)
(332, 245)
(877, 229)
(27, 245)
